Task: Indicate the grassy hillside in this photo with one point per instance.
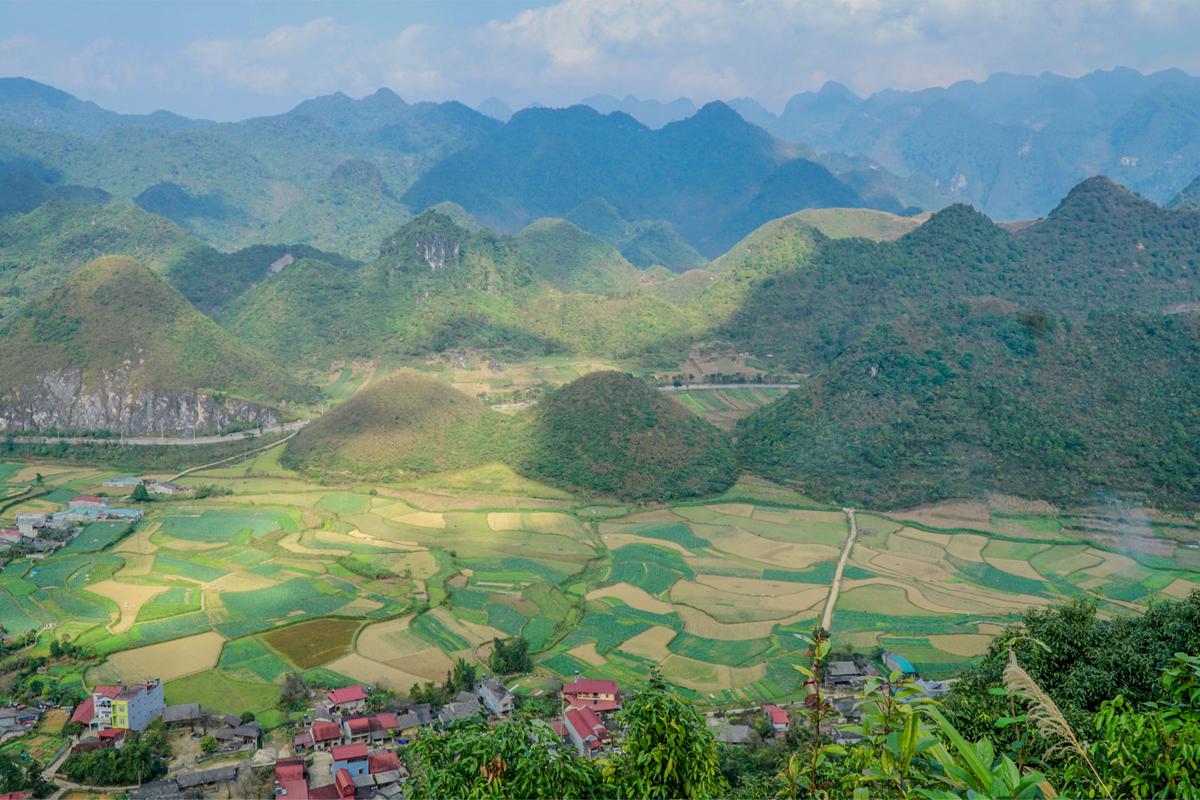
(41, 248)
(969, 398)
(403, 425)
(610, 433)
(843, 223)
(574, 261)
(115, 311)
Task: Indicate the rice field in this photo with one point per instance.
(221, 597)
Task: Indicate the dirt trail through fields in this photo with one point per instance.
(836, 584)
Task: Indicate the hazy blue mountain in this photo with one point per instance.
(651, 113)
(713, 176)
(495, 108)
(31, 104)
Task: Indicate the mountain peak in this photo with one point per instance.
(1100, 194)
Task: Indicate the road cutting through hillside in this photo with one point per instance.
(836, 584)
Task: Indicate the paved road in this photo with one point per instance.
(836, 585)
(159, 441)
(694, 386)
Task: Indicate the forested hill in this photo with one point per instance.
(982, 396)
(1102, 248)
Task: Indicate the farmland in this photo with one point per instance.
(390, 582)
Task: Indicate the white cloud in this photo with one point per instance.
(705, 49)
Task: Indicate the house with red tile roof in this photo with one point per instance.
(356, 729)
(344, 782)
(586, 730)
(291, 769)
(778, 718)
(382, 761)
(599, 695)
(325, 734)
(351, 758)
(347, 700)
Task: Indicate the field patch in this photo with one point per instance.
(651, 643)
(215, 690)
(961, 644)
(167, 660)
(312, 644)
(632, 596)
(129, 598)
(220, 526)
(588, 654)
(726, 605)
(97, 536)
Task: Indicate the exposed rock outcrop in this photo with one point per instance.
(66, 400)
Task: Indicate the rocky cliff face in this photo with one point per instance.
(67, 401)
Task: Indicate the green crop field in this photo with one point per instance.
(333, 581)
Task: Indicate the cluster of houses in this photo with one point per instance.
(42, 534)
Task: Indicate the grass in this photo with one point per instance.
(97, 536)
(215, 690)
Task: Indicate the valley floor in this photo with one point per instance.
(221, 596)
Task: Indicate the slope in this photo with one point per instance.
(115, 344)
(612, 434)
(977, 397)
(403, 425)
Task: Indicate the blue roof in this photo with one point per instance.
(902, 663)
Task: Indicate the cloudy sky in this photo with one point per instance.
(226, 60)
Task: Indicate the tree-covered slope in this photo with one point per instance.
(574, 261)
(975, 397)
(610, 433)
(116, 316)
(404, 425)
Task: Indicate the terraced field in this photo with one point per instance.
(222, 596)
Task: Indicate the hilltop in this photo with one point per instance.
(114, 346)
(610, 433)
(400, 426)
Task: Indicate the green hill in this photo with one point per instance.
(574, 261)
(127, 330)
(612, 434)
(1188, 197)
(40, 249)
(844, 223)
(970, 398)
(403, 425)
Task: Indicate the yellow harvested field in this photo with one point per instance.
(474, 633)
(1015, 566)
(756, 587)
(356, 536)
(782, 516)
(733, 509)
(973, 515)
(452, 501)
(961, 644)
(729, 607)
(992, 629)
(915, 547)
(588, 654)
(708, 678)
(552, 522)
(139, 540)
(940, 540)
(651, 643)
(370, 672)
(422, 563)
(136, 565)
(168, 660)
(359, 607)
(767, 551)
(291, 542)
(615, 540)
(30, 473)
(297, 499)
(658, 515)
(129, 597)
(504, 521)
(423, 519)
(632, 596)
(1179, 588)
(240, 582)
(910, 567)
(967, 546)
(697, 622)
(1112, 564)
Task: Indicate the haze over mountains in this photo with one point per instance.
(376, 229)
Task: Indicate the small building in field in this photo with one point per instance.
(96, 505)
(347, 700)
(465, 706)
(123, 482)
(599, 695)
(168, 488)
(184, 715)
(30, 524)
(730, 732)
(778, 718)
(844, 673)
(496, 697)
(898, 663)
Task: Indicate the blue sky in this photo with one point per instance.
(228, 60)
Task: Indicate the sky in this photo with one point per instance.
(224, 60)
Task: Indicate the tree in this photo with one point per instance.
(515, 759)
(294, 694)
(668, 751)
(247, 716)
(510, 656)
(208, 745)
(462, 677)
(140, 495)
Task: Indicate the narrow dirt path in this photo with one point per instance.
(246, 454)
(836, 585)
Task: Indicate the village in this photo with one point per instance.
(349, 742)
